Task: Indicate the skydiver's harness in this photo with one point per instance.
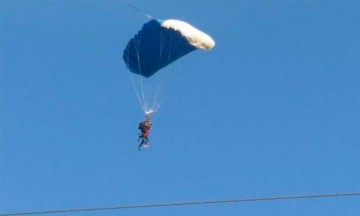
(144, 129)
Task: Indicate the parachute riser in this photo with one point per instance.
(149, 113)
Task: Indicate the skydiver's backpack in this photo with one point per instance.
(141, 125)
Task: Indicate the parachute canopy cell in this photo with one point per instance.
(160, 43)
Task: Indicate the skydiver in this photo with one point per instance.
(144, 127)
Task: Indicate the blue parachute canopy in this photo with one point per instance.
(158, 44)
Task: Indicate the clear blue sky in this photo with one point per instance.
(272, 110)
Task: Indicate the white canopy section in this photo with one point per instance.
(195, 37)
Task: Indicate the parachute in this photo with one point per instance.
(156, 45)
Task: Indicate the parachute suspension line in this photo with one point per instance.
(147, 90)
(163, 78)
(143, 91)
(162, 85)
(157, 83)
(137, 45)
(137, 92)
(160, 79)
(137, 9)
(140, 77)
(135, 87)
(138, 81)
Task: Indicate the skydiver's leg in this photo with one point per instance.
(142, 143)
(140, 137)
(146, 140)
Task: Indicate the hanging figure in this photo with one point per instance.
(144, 127)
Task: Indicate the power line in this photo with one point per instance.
(137, 9)
(121, 207)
